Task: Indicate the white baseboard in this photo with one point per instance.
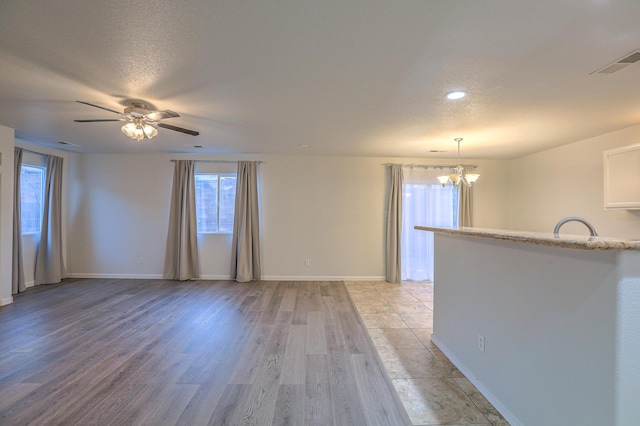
(507, 414)
(359, 278)
(225, 277)
(320, 278)
(6, 301)
(214, 277)
(114, 276)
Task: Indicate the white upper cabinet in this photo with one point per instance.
(622, 178)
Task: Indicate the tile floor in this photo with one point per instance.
(399, 319)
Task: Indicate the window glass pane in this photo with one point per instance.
(424, 204)
(207, 202)
(456, 198)
(31, 196)
(227, 202)
(215, 202)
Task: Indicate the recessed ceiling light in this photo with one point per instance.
(456, 94)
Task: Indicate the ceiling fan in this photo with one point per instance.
(138, 120)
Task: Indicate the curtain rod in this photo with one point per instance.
(39, 153)
(432, 166)
(32, 152)
(218, 161)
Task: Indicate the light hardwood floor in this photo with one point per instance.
(195, 353)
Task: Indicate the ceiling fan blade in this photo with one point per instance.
(106, 109)
(178, 129)
(97, 121)
(160, 115)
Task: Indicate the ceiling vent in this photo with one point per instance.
(631, 58)
(69, 143)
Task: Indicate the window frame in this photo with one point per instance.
(219, 176)
(43, 171)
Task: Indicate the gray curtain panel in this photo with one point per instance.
(17, 283)
(181, 256)
(465, 203)
(49, 260)
(394, 226)
(245, 250)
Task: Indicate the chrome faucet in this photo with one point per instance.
(592, 230)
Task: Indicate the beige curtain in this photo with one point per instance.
(17, 283)
(394, 226)
(245, 250)
(181, 255)
(465, 203)
(49, 260)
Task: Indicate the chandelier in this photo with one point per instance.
(458, 174)
(139, 129)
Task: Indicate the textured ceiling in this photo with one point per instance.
(343, 77)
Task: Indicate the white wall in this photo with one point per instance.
(6, 213)
(491, 194)
(330, 210)
(327, 210)
(568, 181)
(118, 214)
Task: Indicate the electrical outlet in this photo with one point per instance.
(480, 342)
(140, 260)
(307, 262)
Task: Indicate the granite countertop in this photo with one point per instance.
(544, 239)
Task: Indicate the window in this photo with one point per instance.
(31, 198)
(215, 202)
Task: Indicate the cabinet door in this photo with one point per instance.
(622, 178)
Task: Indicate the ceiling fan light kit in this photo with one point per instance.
(138, 119)
(138, 129)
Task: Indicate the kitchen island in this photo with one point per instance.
(547, 328)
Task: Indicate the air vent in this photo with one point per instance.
(634, 57)
(69, 143)
(631, 58)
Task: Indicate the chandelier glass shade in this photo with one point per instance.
(139, 129)
(458, 174)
